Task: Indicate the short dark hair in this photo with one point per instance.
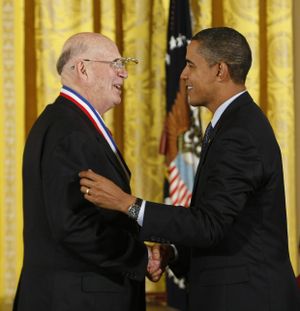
(68, 52)
(63, 59)
(224, 44)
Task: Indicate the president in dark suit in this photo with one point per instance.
(232, 241)
(76, 256)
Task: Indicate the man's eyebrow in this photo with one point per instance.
(189, 61)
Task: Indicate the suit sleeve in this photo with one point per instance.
(103, 238)
(232, 171)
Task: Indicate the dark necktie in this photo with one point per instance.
(206, 137)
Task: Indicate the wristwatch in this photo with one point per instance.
(134, 209)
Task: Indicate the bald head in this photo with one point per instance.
(86, 66)
(85, 44)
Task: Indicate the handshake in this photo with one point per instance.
(159, 255)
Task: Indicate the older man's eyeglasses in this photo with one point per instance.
(118, 63)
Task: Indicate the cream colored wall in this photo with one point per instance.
(296, 19)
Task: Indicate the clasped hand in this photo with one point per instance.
(159, 255)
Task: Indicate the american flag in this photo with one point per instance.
(181, 140)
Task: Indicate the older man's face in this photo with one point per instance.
(106, 82)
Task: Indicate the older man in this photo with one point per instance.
(76, 256)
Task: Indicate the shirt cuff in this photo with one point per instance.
(175, 253)
(140, 218)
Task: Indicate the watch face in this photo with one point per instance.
(133, 211)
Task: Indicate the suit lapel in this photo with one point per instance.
(202, 160)
(111, 156)
(236, 104)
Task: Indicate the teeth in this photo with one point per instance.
(189, 87)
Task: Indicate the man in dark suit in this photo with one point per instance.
(232, 241)
(76, 256)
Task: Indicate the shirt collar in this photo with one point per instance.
(222, 108)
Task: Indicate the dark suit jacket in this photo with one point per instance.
(76, 256)
(232, 240)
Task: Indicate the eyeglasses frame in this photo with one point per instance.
(118, 63)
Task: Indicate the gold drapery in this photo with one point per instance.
(29, 82)
(280, 104)
(11, 142)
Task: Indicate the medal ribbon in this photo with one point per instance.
(97, 121)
